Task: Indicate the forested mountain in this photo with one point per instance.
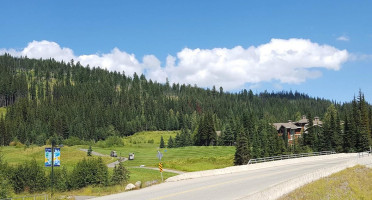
(46, 98)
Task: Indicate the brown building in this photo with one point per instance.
(294, 130)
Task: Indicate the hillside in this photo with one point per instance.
(83, 101)
(46, 98)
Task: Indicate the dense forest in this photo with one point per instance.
(46, 98)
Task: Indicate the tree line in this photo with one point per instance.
(46, 98)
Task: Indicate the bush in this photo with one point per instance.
(89, 172)
(16, 143)
(150, 141)
(5, 185)
(28, 177)
(71, 141)
(120, 175)
(110, 142)
(61, 182)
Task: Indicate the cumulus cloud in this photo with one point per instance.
(343, 38)
(285, 61)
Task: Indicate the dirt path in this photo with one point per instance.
(110, 165)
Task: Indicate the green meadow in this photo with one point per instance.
(145, 146)
(188, 159)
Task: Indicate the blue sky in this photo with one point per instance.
(184, 41)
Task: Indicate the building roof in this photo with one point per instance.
(285, 125)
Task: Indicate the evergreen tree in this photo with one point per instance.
(170, 142)
(363, 139)
(243, 151)
(162, 145)
(228, 136)
(121, 174)
(348, 145)
(89, 152)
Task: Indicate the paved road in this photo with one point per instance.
(228, 186)
(110, 165)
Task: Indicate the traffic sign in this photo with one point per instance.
(160, 155)
(161, 167)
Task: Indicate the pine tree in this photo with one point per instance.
(228, 136)
(170, 142)
(89, 152)
(363, 139)
(243, 151)
(347, 136)
(162, 145)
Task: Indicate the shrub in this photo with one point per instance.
(120, 175)
(89, 172)
(16, 143)
(110, 142)
(71, 141)
(28, 177)
(61, 182)
(5, 186)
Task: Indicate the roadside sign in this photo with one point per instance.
(56, 157)
(161, 167)
(48, 157)
(160, 155)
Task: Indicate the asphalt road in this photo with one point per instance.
(228, 186)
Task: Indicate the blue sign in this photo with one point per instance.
(56, 157)
(48, 157)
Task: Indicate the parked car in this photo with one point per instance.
(113, 154)
(131, 156)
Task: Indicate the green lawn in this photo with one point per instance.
(192, 158)
(351, 183)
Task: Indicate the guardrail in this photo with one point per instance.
(289, 156)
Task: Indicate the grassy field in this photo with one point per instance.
(145, 147)
(69, 155)
(351, 183)
(192, 158)
(2, 111)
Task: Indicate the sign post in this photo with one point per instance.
(160, 155)
(52, 159)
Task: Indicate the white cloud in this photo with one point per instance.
(288, 61)
(284, 61)
(343, 38)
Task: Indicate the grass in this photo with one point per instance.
(351, 183)
(69, 155)
(2, 111)
(145, 146)
(136, 174)
(192, 158)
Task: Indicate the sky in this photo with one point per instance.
(321, 48)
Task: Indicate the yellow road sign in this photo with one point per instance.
(161, 167)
